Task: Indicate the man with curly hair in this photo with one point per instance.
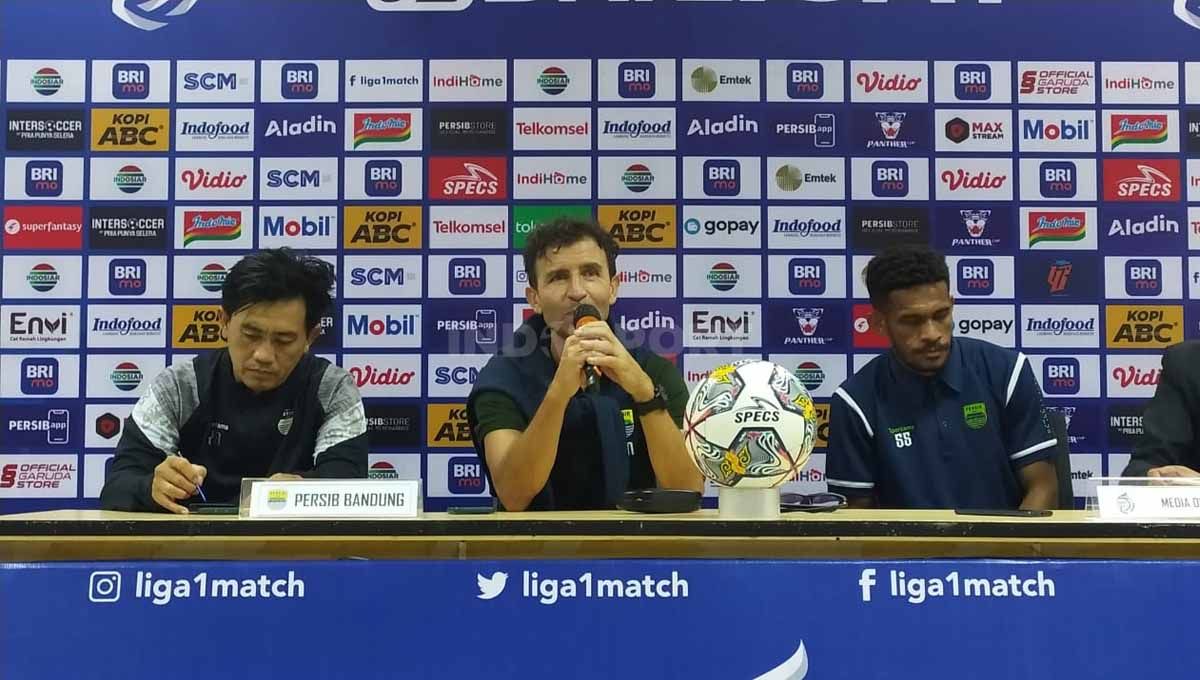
(937, 422)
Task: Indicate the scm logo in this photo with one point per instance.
(196, 327)
(640, 226)
(447, 426)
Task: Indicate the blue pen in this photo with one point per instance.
(198, 489)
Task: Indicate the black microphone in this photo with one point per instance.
(587, 314)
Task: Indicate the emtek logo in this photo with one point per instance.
(976, 277)
(130, 81)
(127, 277)
(806, 276)
(490, 587)
(1143, 278)
(1058, 179)
(43, 179)
(805, 80)
(635, 80)
(383, 179)
(722, 177)
(889, 179)
(298, 81)
(39, 376)
(972, 82)
(467, 275)
(1060, 376)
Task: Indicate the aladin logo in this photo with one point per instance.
(150, 15)
(1188, 12)
(795, 668)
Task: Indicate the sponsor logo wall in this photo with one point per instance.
(747, 194)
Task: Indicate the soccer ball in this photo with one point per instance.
(750, 424)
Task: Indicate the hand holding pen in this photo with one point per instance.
(176, 479)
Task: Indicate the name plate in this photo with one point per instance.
(336, 499)
(1169, 501)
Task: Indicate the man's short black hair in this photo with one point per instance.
(903, 267)
(566, 231)
(279, 274)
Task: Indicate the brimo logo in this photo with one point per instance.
(150, 15)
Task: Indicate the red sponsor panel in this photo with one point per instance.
(865, 336)
(1142, 179)
(43, 227)
(468, 179)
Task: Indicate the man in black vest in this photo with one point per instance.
(263, 406)
(546, 442)
(1170, 445)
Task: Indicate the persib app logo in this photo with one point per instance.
(635, 80)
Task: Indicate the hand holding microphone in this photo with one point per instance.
(585, 314)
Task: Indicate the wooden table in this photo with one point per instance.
(87, 535)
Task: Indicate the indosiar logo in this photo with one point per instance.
(640, 226)
(196, 327)
(1143, 327)
(379, 227)
(447, 426)
(131, 129)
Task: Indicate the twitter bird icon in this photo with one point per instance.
(490, 588)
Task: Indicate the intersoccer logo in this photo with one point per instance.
(150, 15)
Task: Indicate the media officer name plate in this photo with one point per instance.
(1132, 499)
(336, 499)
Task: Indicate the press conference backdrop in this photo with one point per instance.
(748, 156)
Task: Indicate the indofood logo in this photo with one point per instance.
(150, 15)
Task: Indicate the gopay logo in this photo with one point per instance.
(491, 587)
(150, 15)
